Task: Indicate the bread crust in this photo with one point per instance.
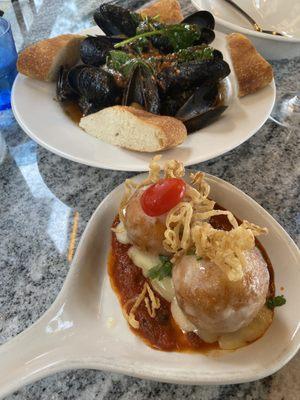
(173, 131)
(252, 71)
(169, 11)
(38, 60)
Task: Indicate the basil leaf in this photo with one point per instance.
(276, 301)
(116, 59)
(182, 36)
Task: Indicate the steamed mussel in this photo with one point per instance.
(95, 49)
(95, 88)
(164, 69)
(142, 89)
(204, 106)
(185, 75)
(115, 20)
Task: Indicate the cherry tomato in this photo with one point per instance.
(162, 196)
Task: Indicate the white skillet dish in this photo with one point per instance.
(44, 121)
(278, 15)
(85, 328)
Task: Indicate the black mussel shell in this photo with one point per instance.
(87, 106)
(202, 18)
(207, 36)
(162, 44)
(63, 89)
(202, 108)
(73, 77)
(97, 88)
(142, 89)
(115, 20)
(185, 75)
(95, 49)
(217, 55)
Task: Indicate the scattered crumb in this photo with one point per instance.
(111, 322)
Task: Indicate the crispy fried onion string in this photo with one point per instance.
(188, 226)
(152, 304)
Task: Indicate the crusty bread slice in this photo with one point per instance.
(169, 11)
(43, 59)
(134, 129)
(252, 71)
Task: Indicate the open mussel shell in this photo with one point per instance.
(115, 20)
(202, 18)
(63, 89)
(95, 49)
(142, 89)
(171, 104)
(205, 105)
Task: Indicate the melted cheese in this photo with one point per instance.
(121, 233)
(249, 333)
(146, 261)
(180, 318)
(165, 288)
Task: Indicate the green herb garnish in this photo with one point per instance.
(195, 53)
(276, 301)
(117, 58)
(199, 258)
(123, 62)
(180, 36)
(161, 270)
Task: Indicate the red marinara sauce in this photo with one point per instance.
(160, 332)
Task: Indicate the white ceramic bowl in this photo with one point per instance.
(85, 327)
(279, 15)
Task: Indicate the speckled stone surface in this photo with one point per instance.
(40, 193)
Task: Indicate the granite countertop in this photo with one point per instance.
(40, 194)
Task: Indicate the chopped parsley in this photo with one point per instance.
(162, 270)
(276, 301)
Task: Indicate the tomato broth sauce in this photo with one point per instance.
(160, 332)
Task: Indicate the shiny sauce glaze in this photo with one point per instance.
(161, 332)
(72, 110)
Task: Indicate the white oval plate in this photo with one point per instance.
(76, 332)
(44, 121)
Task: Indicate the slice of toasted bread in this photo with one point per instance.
(252, 71)
(134, 129)
(43, 59)
(169, 11)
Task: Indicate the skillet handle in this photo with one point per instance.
(37, 352)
